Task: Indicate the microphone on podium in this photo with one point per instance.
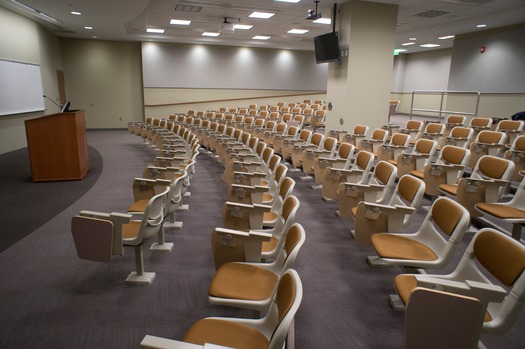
(55, 103)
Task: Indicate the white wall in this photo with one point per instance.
(425, 70)
(498, 74)
(501, 69)
(225, 67)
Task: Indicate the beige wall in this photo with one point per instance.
(104, 78)
(359, 86)
(31, 43)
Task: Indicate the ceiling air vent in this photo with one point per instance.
(188, 8)
(431, 13)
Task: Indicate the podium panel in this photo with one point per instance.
(57, 146)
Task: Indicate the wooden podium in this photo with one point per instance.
(57, 146)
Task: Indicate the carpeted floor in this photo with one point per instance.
(25, 205)
(51, 299)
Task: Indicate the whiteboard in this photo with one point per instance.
(20, 88)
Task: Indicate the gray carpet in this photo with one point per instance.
(25, 205)
(51, 299)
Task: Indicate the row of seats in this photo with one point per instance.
(444, 216)
(253, 250)
(488, 181)
(157, 196)
(243, 173)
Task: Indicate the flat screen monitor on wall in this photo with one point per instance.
(327, 48)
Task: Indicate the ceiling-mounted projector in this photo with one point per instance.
(226, 27)
(313, 14)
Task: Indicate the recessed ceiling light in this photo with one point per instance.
(88, 28)
(261, 37)
(293, 1)
(412, 39)
(446, 37)
(408, 43)
(211, 34)
(481, 26)
(264, 15)
(323, 21)
(429, 45)
(155, 30)
(180, 22)
(76, 13)
(243, 26)
(297, 31)
(400, 50)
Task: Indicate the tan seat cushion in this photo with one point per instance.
(242, 281)
(418, 173)
(130, 230)
(225, 333)
(451, 189)
(268, 246)
(501, 211)
(139, 206)
(404, 284)
(400, 247)
(267, 197)
(269, 216)
(393, 162)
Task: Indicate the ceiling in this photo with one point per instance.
(127, 20)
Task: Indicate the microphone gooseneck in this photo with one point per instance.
(55, 103)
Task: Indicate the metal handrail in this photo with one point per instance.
(440, 111)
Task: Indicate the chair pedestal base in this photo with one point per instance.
(305, 178)
(376, 262)
(396, 303)
(174, 225)
(352, 233)
(186, 195)
(184, 207)
(166, 246)
(144, 279)
(316, 186)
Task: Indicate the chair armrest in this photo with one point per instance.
(496, 182)
(345, 171)
(450, 138)
(152, 342)
(449, 167)
(262, 188)
(251, 174)
(485, 292)
(247, 163)
(379, 206)
(488, 145)
(418, 155)
(170, 158)
(366, 187)
(236, 233)
(405, 209)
